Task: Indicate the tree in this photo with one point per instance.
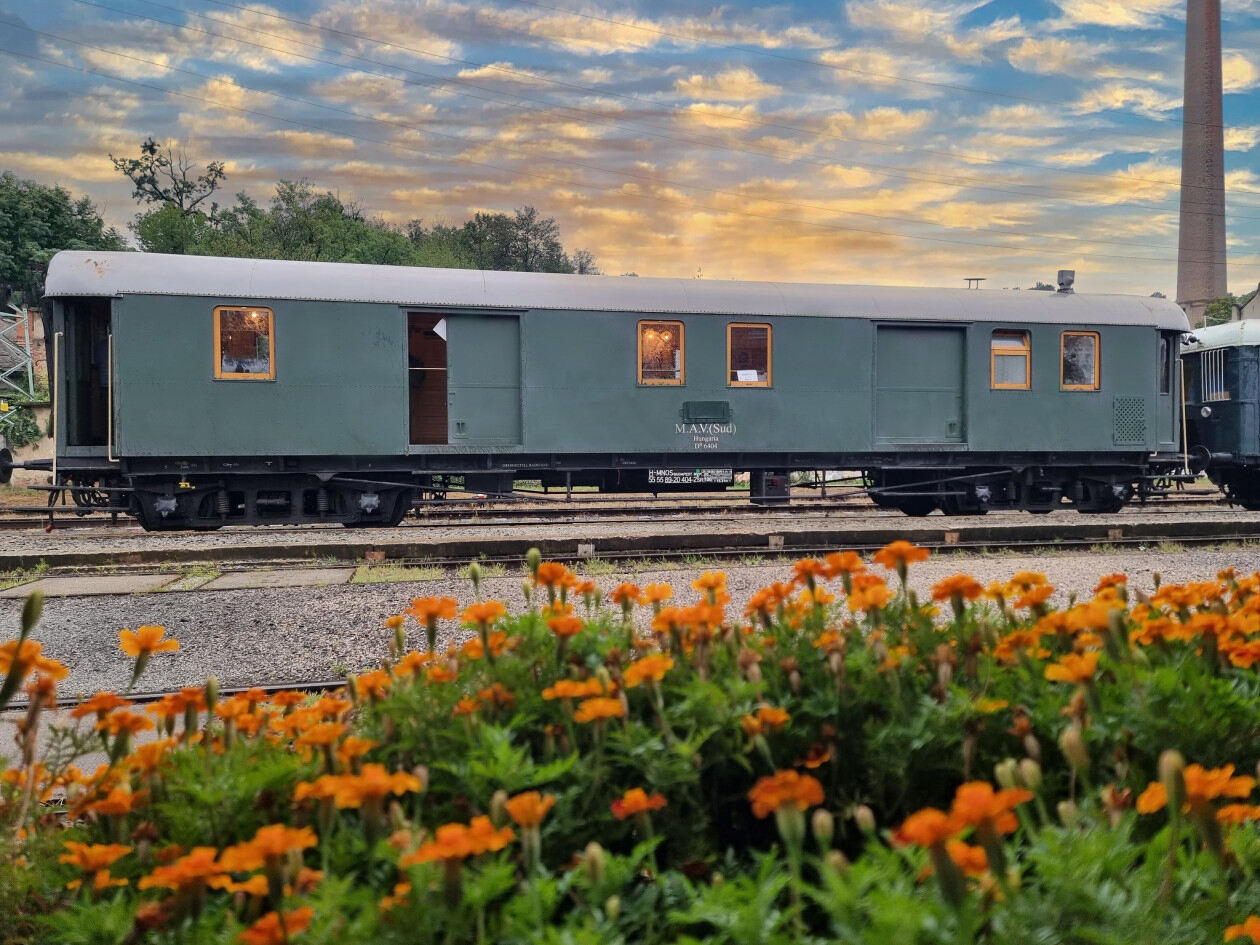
(166, 177)
(36, 221)
(1219, 311)
(1158, 295)
(1043, 287)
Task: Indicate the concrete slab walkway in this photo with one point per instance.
(103, 584)
(91, 586)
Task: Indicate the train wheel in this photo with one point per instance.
(915, 506)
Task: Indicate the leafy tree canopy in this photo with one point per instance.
(1220, 310)
(35, 222)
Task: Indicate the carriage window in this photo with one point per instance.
(748, 355)
(1214, 383)
(1165, 364)
(1080, 360)
(1010, 354)
(245, 344)
(661, 353)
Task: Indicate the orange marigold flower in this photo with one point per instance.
(412, 662)
(91, 857)
(599, 708)
(465, 706)
(710, 581)
(354, 747)
(117, 802)
(654, 666)
(1073, 668)
(459, 841)
(425, 609)
(976, 804)
(816, 756)
(1249, 927)
(269, 843)
(190, 870)
(484, 612)
(987, 705)
(573, 689)
(925, 828)
(971, 860)
(394, 622)
(527, 810)
(869, 593)
(149, 756)
(28, 656)
(1238, 813)
(637, 801)
(551, 574)
(440, 674)
(373, 685)
(99, 705)
(1034, 596)
(1110, 581)
(497, 694)
(124, 721)
(769, 717)
(807, 570)
(1203, 785)
(656, 594)
(566, 625)
(784, 789)
(1024, 581)
(844, 562)
(324, 733)
(269, 931)
(962, 585)
(373, 783)
(624, 593)
(898, 554)
(147, 639)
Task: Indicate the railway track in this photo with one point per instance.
(156, 695)
(473, 513)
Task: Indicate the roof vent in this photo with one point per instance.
(1066, 278)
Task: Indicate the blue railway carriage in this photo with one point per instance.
(1222, 393)
(204, 391)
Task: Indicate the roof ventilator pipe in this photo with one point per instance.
(1066, 278)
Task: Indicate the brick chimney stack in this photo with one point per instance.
(1201, 243)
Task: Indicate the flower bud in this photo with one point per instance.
(498, 808)
(352, 687)
(1032, 747)
(1172, 767)
(1072, 744)
(612, 907)
(1068, 813)
(1030, 774)
(1006, 772)
(533, 558)
(528, 590)
(421, 774)
(400, 640)
(864, 817)
(212, 694)
(397, 817)
(823, 825)
(604, 677)
(596, 862)
(836, 861)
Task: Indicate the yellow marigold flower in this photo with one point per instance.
(637, 801)
(270, 931)
(527, 810)
(784, 789)
(1249, 927)
(147, 639)
(599, 708)
(654, 666)
(987, 705)
(1073, 668)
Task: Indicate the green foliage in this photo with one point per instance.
(1219, 311)
(36, 222)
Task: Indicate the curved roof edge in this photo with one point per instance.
(1227, 335)
(85, 273)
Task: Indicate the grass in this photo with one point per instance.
(395, 573)
(1170, 547)
(22, 576)
(488, 570)
(17, 496)
(598, 567)
(192, 578)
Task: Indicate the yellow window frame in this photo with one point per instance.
(222, 375)
(1024, 348)
(769, 381)
(1097, 384)
(681, 379)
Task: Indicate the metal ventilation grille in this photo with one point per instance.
(1128, 420)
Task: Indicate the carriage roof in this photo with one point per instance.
(80, 273)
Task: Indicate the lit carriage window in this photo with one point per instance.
(1080, 361)
(661, 353)
(1214, 383)
(748, 351)
(245, 345)
(1009, 360)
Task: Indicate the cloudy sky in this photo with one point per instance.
(889, 141)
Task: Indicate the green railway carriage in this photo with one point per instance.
(1222, 392)
(209, 390)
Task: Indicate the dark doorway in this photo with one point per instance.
(426, 372)
(85, 360)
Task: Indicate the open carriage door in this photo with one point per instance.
(427, 376)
